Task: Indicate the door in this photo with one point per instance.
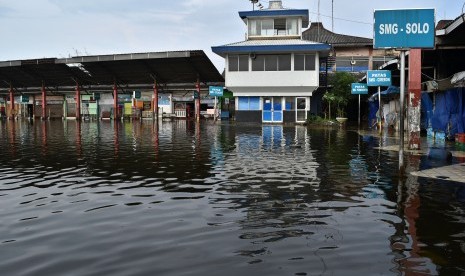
(301, 109)
(272, 109)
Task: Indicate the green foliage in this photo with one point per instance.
(340, 92)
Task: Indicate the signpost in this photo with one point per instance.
(359, 89)
(379, 78)
(216, 91)
(403, 29)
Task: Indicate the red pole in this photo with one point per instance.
(44, 102)
(115, 102)
(78, 102)
(414, 86)
(155, 100)
(12, 103)
(197, 101)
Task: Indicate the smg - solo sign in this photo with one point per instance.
(404, 29)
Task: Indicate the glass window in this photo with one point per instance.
(254, 103)
(284, 62)
(271, 63)
(254, 27)
(304, 62)
(299, 62)
(249, 103)
(280, 26)
(290, 103)
(267, 27)
(233, 62)
(292, 27)
(309, 63)
(258, 64)
(243, 63)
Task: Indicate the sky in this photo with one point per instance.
(31, 29)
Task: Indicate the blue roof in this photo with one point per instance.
(277, 13)
(315, 47)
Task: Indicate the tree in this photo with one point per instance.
(340, 92)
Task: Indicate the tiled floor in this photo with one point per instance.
(452, 173)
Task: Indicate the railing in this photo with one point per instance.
(180, 113)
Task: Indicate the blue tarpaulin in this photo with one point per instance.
(449, 112)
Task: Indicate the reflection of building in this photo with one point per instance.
(273, 73)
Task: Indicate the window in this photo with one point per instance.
(238, 63)
(304, 62)
(290, 103)
(271, 63)
(249, 103)
(273, 27)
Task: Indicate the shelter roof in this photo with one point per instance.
(125, 69)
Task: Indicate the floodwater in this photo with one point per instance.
(178, 198)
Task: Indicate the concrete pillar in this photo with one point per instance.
(78, 102)
(12, 103)
(115, 102)
(197, 101)
(155, 100)
(44, 102)
(414, 108)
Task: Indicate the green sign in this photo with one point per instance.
(137, 94)
(96, 96)
(196, 95)
(216, 91)
(24, 98)
(359, 89)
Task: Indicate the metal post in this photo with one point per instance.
(414, 86)
(359, 110)
(379, 110)
(155, 100)
(44, 102)
(78, 102)
(401, 116)
(12, 103)
(216, 106)
(115, 102)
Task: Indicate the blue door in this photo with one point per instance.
(272, 110)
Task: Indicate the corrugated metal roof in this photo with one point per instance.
(318, 33)
(266, 42)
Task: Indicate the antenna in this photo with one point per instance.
(332, 16)
(253, 3)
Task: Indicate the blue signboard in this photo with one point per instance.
(379, 78)
(216, 91)
(359, 88)
(403, 29)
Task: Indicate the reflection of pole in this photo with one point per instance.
(78, 102)
(216, 112)
(401, 117)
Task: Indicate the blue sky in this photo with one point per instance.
(62, 28)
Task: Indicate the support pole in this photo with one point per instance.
(44, 102)
(115, 102)
(401, 116)
(216, 110)
(78, 102)
(155, 100)
(380, 110)
(12, 103)
(197, 101)
(359, 101)
(414, 86)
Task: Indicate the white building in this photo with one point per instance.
(273, 73)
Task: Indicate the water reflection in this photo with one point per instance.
(181, 197)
